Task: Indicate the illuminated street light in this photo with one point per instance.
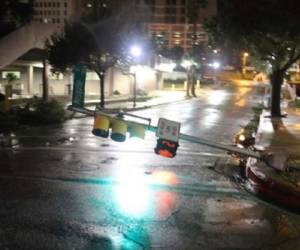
(136, 52)
(245, 55)
(216, 65)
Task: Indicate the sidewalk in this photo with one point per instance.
(280, 136)
(154, 98)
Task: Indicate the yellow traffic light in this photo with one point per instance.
(137, 130)
(118, 130)
(101, 126)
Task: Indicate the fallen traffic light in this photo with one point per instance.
(166, 148)
(119, 126)
(118, 130)
(137, 130)
(101, 126)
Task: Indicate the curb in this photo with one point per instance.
(279, 193)
(261, 182)
(93, 103)
(116, 110)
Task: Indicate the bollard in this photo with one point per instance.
(185, 85)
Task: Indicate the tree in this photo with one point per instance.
(98, 41)
(14, 13)
(175, 53)
(11, 77)
(193, 15)
(269, 29)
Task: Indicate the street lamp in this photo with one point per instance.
(245, 55)
(136, 52)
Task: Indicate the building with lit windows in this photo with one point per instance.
(57, 11)
(167, 22)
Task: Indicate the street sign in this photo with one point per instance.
(167, 129)
(79, 86)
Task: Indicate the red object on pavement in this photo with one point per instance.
(277, 192)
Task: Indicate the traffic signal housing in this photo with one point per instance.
(166, 148)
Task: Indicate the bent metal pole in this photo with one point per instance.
(228, 148)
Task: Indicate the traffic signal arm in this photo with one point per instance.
(228, 148)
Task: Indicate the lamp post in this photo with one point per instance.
(136, 52)
(245, 55)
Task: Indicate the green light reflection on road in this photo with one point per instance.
(133, 195)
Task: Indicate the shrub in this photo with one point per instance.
(175, 81)
(42, 112)
(2, 97)
(8, 121)
(141, 92)
(297, 102)
(116, 92)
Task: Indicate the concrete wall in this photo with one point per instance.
(114, 80)
(22, 40)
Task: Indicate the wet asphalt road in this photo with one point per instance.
(63, 188)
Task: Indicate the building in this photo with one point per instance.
(58, 11)
(168, 23)
(22, 55)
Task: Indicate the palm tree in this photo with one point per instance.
(11, 77)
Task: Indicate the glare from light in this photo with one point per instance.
(136, 51)
(132, 199)
(242, 137)
(216, 65)
(215, 51)
(217, 97)
(246, 54)
(210, 120)
(186, 63)
(133, 193)
(144, 75)
(166, 67)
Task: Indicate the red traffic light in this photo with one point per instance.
(166, 148)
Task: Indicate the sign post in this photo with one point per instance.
(79, 86)
(168, 134)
